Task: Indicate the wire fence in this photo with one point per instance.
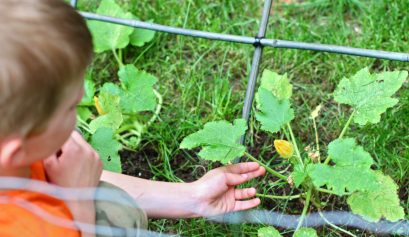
(258, 42)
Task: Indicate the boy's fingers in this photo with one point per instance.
(248, 204)
(235, 179)
(244, 193)
(260, 171)
(241, 168)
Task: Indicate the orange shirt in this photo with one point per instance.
(17, 220)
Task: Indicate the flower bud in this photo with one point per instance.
(284, 148)
(98, 106)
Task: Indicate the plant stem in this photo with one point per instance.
(278, 197)
(316, 139)
(347, 125)
(334, 226)
(157, 110)
(120, 55)
(83, 125)
(271, 171)
(306, 206)
(342, 133)
(118, 60)
(124, 128)
(323, 190)
(124, 143)
(295, 145)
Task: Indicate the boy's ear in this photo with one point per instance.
(12, 153)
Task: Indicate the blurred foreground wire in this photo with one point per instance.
(266, 217)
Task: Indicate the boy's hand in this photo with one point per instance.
(76, 166)
(216, 192)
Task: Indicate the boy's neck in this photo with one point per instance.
(21, 172)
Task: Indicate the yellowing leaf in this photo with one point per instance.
(315, 112)
(381, 202)
(277, 84)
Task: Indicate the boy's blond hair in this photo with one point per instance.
(45, 46)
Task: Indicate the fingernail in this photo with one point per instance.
(244, 176)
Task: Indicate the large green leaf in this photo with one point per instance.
(108, 36)
(369, 94)
(351, 171)
(279, 85)
(268, 231)
(141, 36)
(107, 148)
(305, 232)
(273, 113)
(382, 202)
(137, 86)
(219, 140)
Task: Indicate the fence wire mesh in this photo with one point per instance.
(258, 41)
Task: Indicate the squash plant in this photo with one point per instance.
(118, 121)
(343, 169)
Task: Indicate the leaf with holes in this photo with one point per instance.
(382, 202)
(107, 147)
(273, 113)
(369, 94)
(351, 172)
(219, 140)
(108, 36)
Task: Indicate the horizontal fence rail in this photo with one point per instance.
(275, 43)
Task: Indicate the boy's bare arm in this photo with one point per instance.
(213, 194)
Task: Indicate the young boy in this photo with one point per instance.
(45, 49)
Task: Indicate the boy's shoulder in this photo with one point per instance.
(27, 213)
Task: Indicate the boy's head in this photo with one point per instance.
(45, 47)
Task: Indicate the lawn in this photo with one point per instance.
(202, 81)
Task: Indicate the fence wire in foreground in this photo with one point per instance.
(334, 218)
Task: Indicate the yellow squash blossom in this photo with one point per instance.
(284, 148)
(98, 106)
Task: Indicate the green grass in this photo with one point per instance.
(203, 80)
